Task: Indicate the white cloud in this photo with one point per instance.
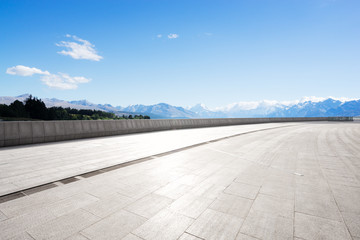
(159, 36)
(63, 81)
(173, 36)
(25, 71)
(58, 81)
(81, 49)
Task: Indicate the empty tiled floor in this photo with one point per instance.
(28, 166)
(297, 182)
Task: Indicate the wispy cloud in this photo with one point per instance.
(61, 81)
(159, 36)
(25, 71)
(173, 36)
(80, 49)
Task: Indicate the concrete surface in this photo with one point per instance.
(299, 181)
(32, 132)
(24, 167)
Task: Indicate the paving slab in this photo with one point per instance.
(215, 225)
(114, 226)
(321, 205)
(149, 205)
(274, 205)
(264, 225)
(131, 236)
(191, 205)
(64, 226)
(187, 236)
(233, 205)
(108, 205)
(77, 236)
(242, 190)
(311, 227)
(166, 224)
(352, 221)
(242, 236)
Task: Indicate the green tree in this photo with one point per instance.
(18, 109)
(36, 108)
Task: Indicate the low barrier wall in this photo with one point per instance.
(29, 132)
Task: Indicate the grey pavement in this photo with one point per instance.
(291, 181)
(28, 166)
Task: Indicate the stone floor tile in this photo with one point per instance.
(267, 226)
(274, 205)
(64, 226)
(321, 205)
(15, 225)
(222, 180)
(242, 236)
(190, 179)
(149, 205)
(280, 178)
(173, 190)
(27, 204)
(211, 191)
(71, 204)
(242, 190)
(352, 221)
(108, 205)
(311, 227)
(248, 178)
(131, 236)
(187, 236)
(233, 205)
(7, 188)
(77, 236)
(191, 205)
(312, 189)
(102, 190)
(22, 236)
(2, 216)
(115, 226)
(347, 198)
(166, 224)
(279, 191)
(313, 181)
(214, 225)
(137, 191)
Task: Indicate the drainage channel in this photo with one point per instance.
(46, 186)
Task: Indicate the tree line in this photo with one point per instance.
(35, 108)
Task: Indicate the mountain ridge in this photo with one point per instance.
(305, 107)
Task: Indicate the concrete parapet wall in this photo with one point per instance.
(29, 132)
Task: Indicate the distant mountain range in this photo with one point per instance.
(306, 107)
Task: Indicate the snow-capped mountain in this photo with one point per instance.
(204, 112)
(305, 107)
(162, 110)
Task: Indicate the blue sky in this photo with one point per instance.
(211, 52)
